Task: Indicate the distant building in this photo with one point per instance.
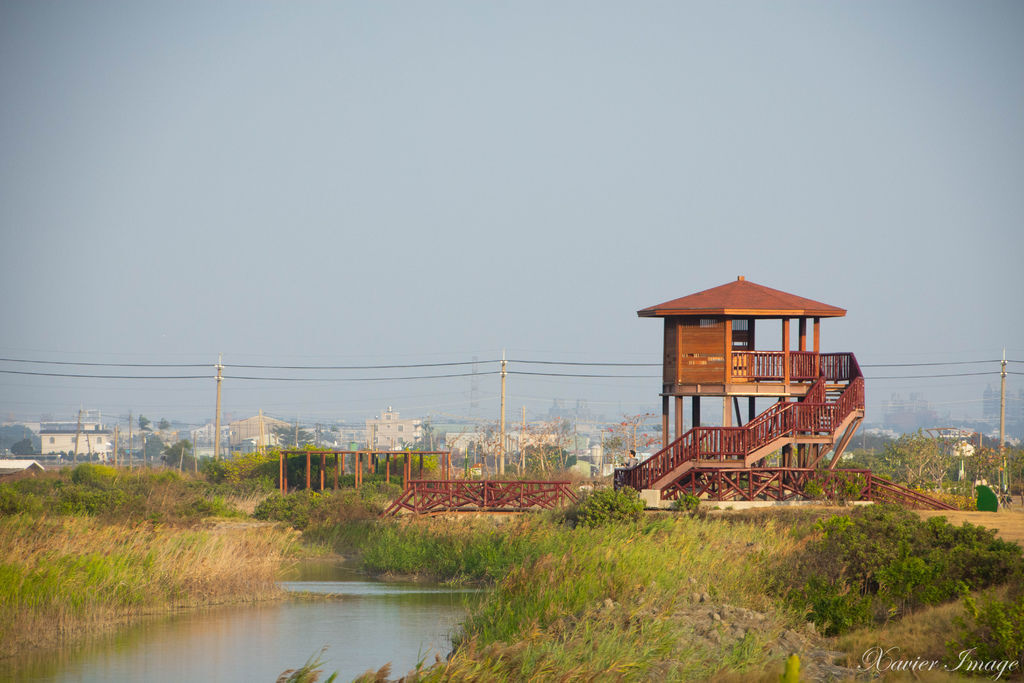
(14, 467)
(249, 429)
(908, 415)
(389, 433)
(89, 438)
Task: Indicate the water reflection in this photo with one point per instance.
(368, 624)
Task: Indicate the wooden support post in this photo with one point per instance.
(309, 467)
(323, 466)
(695, 410)
(387, 468)
(736, 405)
(336, 470)
(726, 412)
(281, 474)
(803, 334)
(728, 351)
(785, 354)
(817, 346)
(679, 416)
(664, 422)
(421, 466)
(751, 408)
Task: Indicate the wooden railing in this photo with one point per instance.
(811, 416)
(457, 495)
(759, 366)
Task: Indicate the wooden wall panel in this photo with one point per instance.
(671, 357)
(702, 351)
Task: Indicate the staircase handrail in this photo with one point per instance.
(811, 415)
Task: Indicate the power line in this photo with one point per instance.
(358, 379)
(108, 365)
(68, 374)
(358, 367)
(914, 365)
(606, 365)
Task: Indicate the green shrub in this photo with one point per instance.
(89, 474)
(687, 503)
(207, 507)
(881, 561)
(608, 506)
(995, 630)
(89, 500)
(14, 501)
(813, 490)
(295, 509)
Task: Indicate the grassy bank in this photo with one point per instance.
(62, 576)
(90, 547)
(680, 597)
(616, 601)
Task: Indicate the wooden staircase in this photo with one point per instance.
(821, 422)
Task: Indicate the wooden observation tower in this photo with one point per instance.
(811, 403)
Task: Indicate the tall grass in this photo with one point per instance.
(60, 576)
(609, 602)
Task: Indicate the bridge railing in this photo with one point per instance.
(454, 495)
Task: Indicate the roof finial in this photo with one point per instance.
(740, 278)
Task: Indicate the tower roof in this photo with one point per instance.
(743, 298)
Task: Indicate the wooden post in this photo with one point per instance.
(817, 347)
(336, 470)
(664, 421)
(323, 466)
(695, 410)
(785, 354)
(308, 469)
(387, 468)
(679, 416)
(751, 407)
(803, 334)
(728, 351)
(726, 412)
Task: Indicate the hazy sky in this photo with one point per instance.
(359, 183)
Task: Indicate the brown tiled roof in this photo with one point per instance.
(743, 297)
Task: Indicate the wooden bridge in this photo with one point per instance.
(465, 495)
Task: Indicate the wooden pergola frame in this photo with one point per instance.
(357, 464)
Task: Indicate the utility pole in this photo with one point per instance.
(1002, 423)
(522, 445)
(216, 426)
(501, 429)
(260, 442)
(78, 433)
(116, 435)
(130, 439)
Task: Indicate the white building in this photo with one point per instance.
(389, 433)
(88, 438)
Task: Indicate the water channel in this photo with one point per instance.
(363, 625)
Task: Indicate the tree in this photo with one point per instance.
(154, 447)
(631, 433)
(917, 460)
(163, 424)
(178, 454)
(23, 447)
(144, 424)
(286, 437)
